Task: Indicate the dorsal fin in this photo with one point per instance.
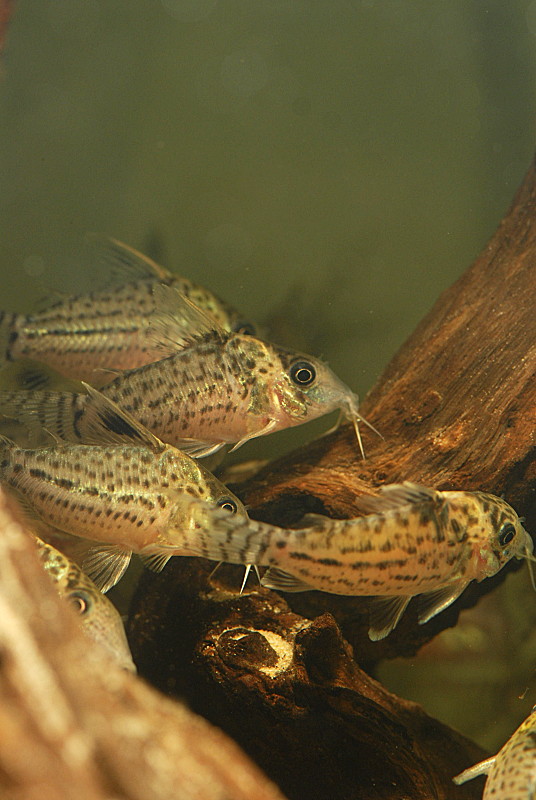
(124, 264)
(396, 495)
(178, 323)
(106, 423)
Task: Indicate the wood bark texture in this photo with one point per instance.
(457, 409)
(74, 726)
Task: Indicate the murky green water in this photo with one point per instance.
(329, 167)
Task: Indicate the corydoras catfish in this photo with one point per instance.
(131, 497)
(99, 617)
(210, 388)
(512, 772)
(412, 541)
(86, 335)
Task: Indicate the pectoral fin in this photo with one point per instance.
(385, 613)
(433, 603)
(275, 578)
(482, 768)
(106, 565)
(268, 428)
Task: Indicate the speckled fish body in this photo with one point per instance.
(412, 541)
(132, 497)
(85, 335)
(512, 772)
(100, 619)
(217, 388)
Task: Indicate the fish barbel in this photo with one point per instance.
(85, 335)
(512, 772)
(99, 617)
(210, 388)
(129, 497)
(412, 541)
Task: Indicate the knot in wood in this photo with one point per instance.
(243, 647)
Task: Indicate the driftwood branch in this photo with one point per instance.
(74, 725)
(457, 409)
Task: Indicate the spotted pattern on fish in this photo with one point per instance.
(126, 495)
(106, 329)
(512, 772)
(405, 545)
(224, 388)
(100, 620)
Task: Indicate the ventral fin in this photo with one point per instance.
(155, 561)
(178, 323)
(198, 448)
(275, 578)
(433, 603)
(106, 423)
(482, 768)
(396, 495)
(385, 614)
(122, 263)
(106, 564)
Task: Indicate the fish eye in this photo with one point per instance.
(506, 534)
(302, 373)
(81, 602)
(228, 504)
(245, 328)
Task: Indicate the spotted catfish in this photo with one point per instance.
(87, 335)
(211, 387)
(512, 772)
(412, 541)
(100, 619)
(130, 497)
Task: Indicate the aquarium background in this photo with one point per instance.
(328, 167)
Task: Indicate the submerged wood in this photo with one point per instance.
(73, 725)
(457, 409)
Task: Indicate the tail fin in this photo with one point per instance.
(53, 412)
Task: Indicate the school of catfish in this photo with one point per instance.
(117, 396)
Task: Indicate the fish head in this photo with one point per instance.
(286, 388)
(207, 493)
(99, 617)
(500, 535)
(307, 388)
